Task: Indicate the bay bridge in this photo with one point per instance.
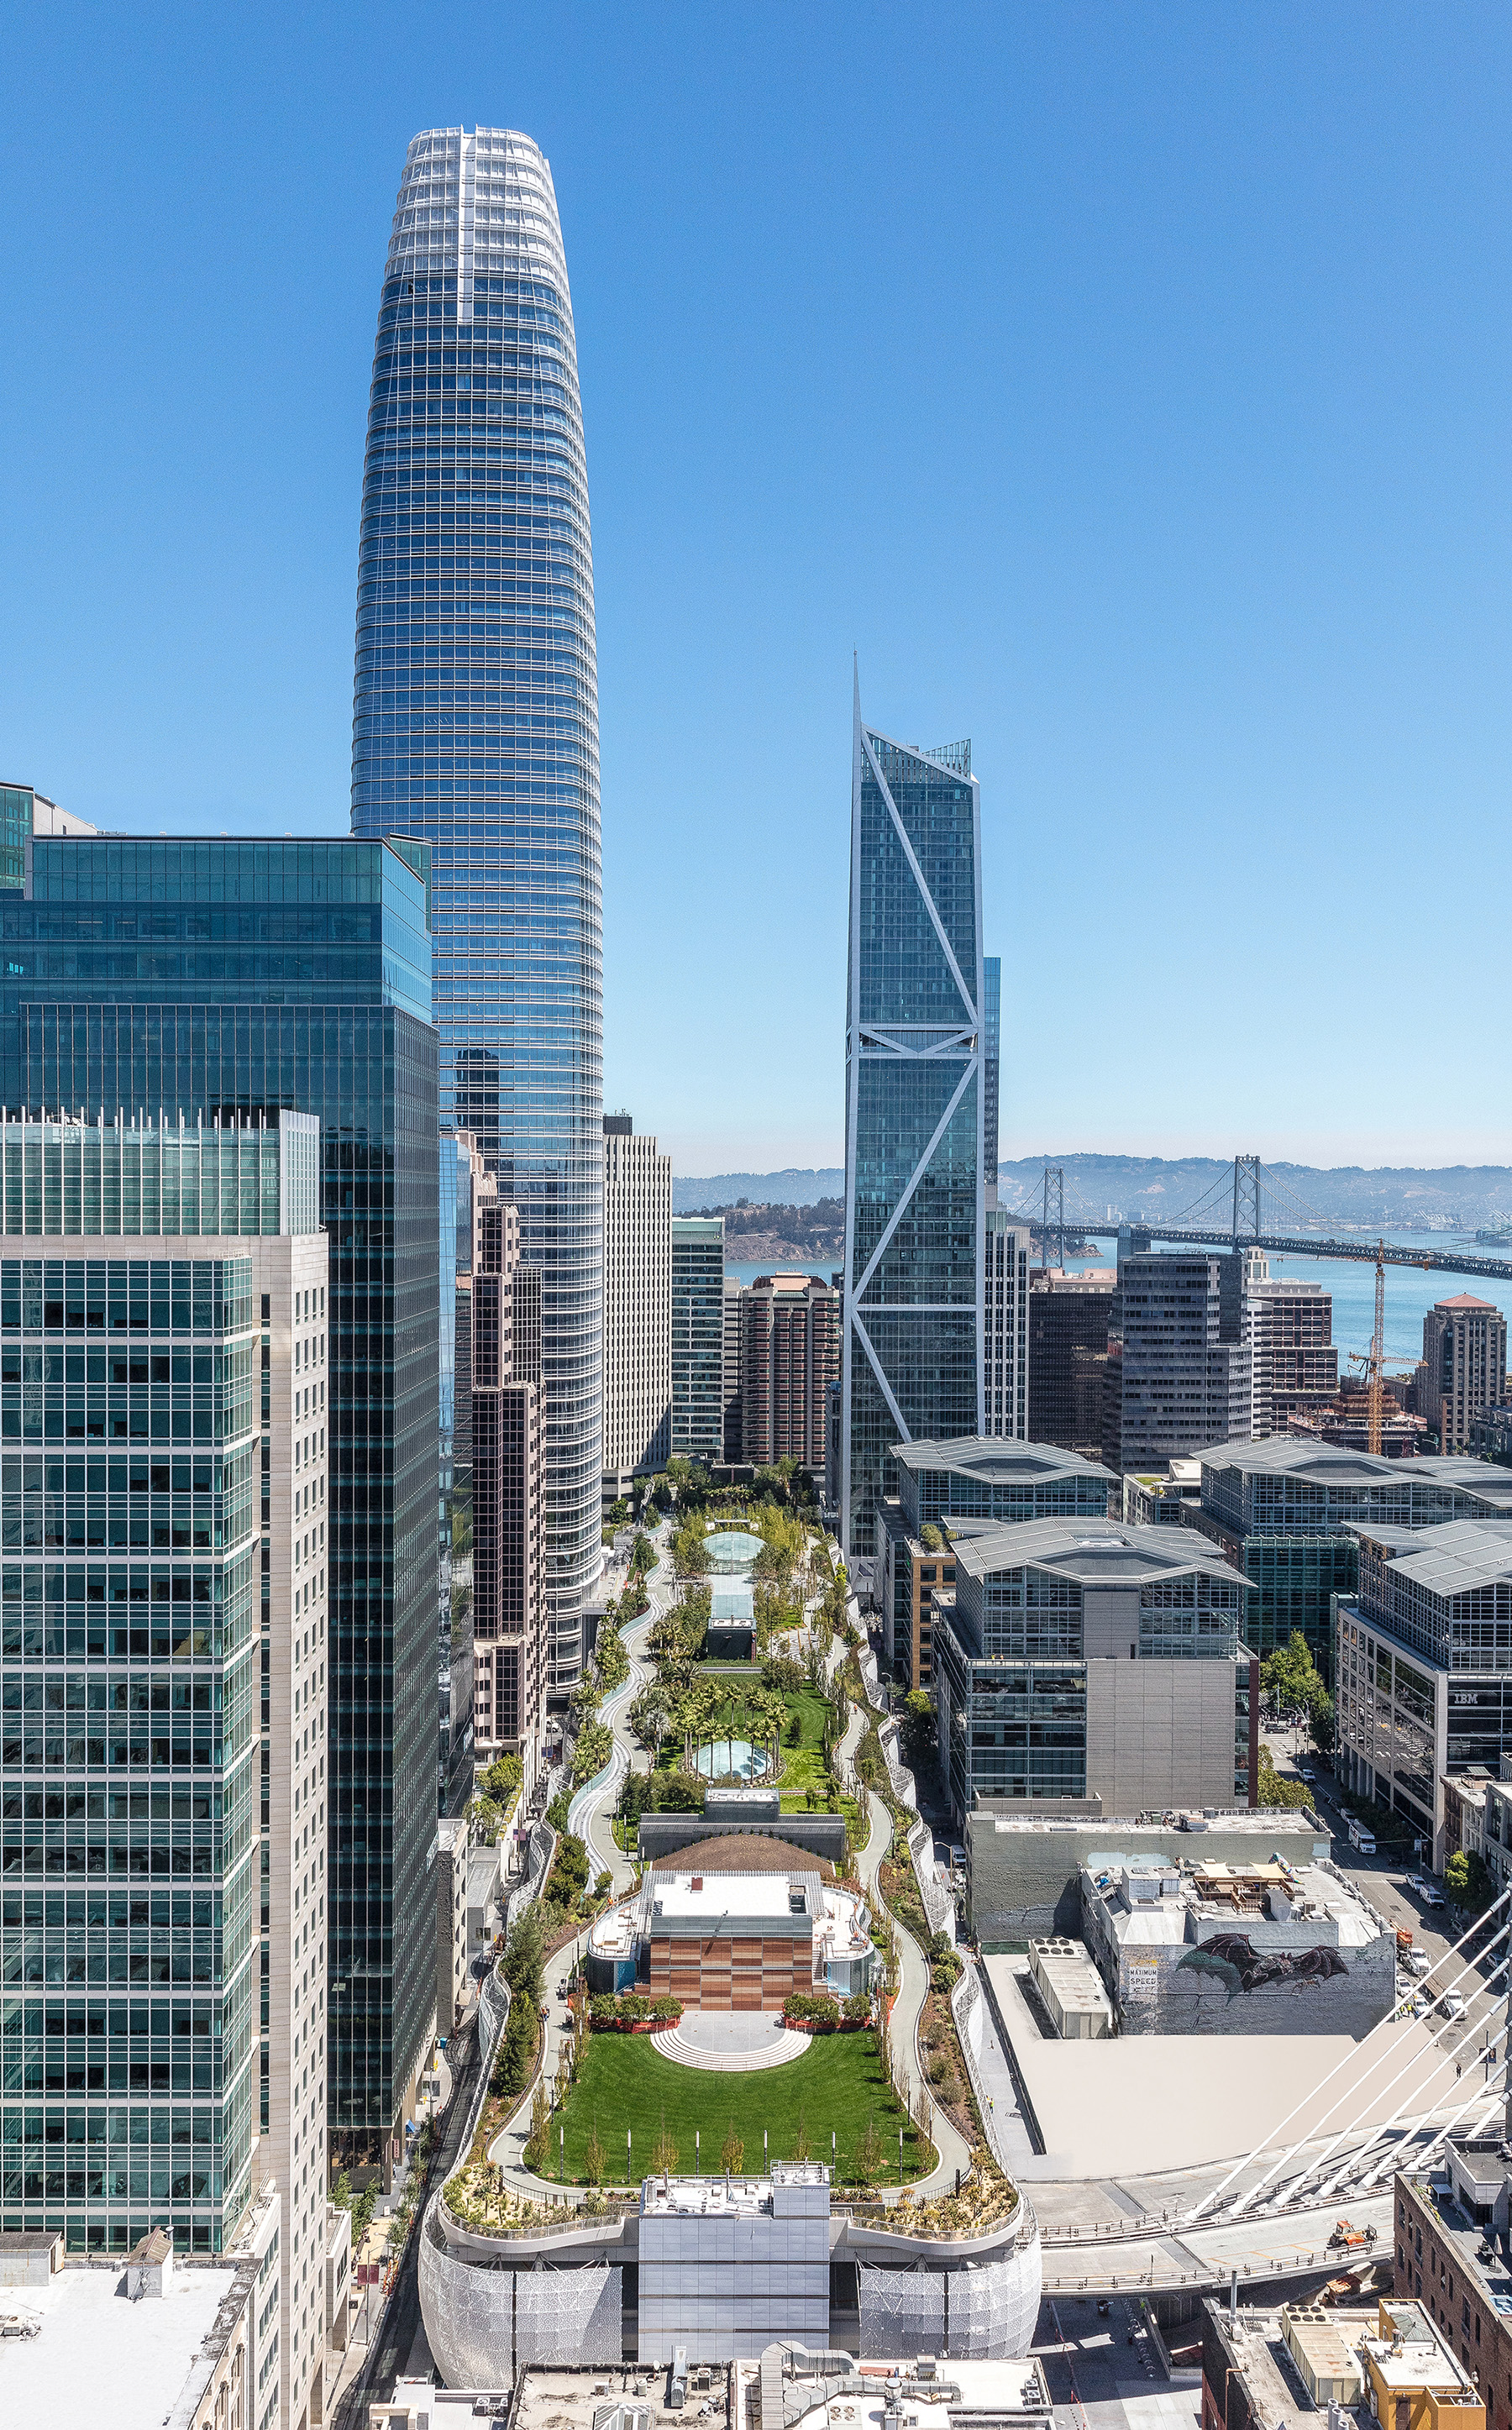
(1236, 1218)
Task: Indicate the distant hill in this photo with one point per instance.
(1452, 1198)
(796, 1187)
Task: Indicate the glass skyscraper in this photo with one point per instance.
(242, 978)
(476, 727)
(914, 1115)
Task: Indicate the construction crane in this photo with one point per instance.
(1378, 1352)
(1372, 1362)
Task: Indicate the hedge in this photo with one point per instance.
(609, 2013)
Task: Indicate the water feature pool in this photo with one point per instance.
(731, 1759)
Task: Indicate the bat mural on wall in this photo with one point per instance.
(1229, 1958)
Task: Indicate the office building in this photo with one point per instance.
(1005, 1249)
(1285, 1511)
(698, 1336)
(25, 813)
(789, 1356)
(1186, 1374)
(509, 1639)
(241, 977)
(1293, 1365)
(732, 1432)
(949, 1488)
(169, 1942)
(637, 1306)
(1068, 1313)
(1464, 1367)
(476, 732)
(911, 1362)
(1078, 1660)
(1423, 1664)
(1490, 1436)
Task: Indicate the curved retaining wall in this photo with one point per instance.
(492, 2304)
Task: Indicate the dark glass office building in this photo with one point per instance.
(911, 1354)
(197, 976)
(476, 727)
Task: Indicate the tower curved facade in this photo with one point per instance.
(475, 730)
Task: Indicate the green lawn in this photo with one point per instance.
(833, 2089)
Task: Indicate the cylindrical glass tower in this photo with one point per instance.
(475, 729)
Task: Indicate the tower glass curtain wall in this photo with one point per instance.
(475, 726)
(698, 1336)
(241, 977)
(991, 1064)
(912, 1340)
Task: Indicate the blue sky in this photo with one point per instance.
(1129, 385)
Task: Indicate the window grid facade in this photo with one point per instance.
(319, 952)
(914, 1202)
(476, 727)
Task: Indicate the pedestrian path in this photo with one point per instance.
(907, 2007)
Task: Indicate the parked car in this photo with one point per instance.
(1414, 1883)
(1308, 1773)
(1432, 1895)
(1454, 2007)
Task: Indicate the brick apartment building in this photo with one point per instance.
(789, 1356)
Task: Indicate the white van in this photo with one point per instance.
(1361, 1836)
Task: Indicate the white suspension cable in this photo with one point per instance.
(1379, 2132)
(1291, 2192)
(1218, 2192)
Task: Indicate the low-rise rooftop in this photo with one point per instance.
(1093, 1552)
(998, 1462)
(94, 2355)
(732, 2197)
(1162, 1902)
(679, 1896)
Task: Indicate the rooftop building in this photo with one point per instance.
(1284, 1511)
(735, 1940)
(1024, 1864)
(150, 2342)
(1207, 1946)
(1262, 2365)
(950, 1489)
(1424, 1664)
(1036, 1696)
(795, 2389)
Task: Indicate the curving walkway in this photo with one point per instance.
(590, 1815)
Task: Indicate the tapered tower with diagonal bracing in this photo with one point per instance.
(912, 1340)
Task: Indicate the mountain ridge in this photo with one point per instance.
(1455, 1197)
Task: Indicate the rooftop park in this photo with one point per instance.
(833, 2101)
